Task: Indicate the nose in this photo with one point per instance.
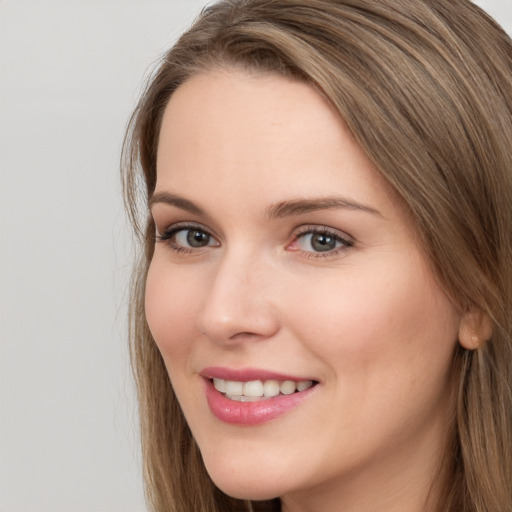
(238, 306)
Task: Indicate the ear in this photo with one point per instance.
(475, 328)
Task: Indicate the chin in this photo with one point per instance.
(248, 493)
(244, 489)
(246, 485)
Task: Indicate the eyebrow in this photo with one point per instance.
(174, 200)
(275, 211)
(300, 206)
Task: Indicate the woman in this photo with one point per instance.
(321, 315)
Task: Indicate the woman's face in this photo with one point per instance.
(282, 256)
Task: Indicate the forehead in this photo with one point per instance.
(236, 104)
(264, 136)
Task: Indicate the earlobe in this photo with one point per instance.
(475, 328)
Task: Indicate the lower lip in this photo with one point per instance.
(252, 413)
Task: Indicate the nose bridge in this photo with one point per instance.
(238, 303)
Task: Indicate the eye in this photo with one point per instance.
(192, 238)
(187, 238)
(319, 241)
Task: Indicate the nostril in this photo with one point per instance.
(245, 335)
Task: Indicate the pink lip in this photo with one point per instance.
(250, 413)
(246, 374)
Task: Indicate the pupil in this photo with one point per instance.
(197, 238)
(323, 243)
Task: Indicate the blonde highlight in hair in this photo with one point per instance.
(426, 89)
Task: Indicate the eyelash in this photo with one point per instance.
(169, 233)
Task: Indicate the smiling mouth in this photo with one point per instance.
(256, 390)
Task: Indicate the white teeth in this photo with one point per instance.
(242, 398)
(304, 384)
(271, 388)
(234, 388)
(256, 389)
(220, 385)
(249, 398)
(287, 387)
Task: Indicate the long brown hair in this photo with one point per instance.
(426, 88)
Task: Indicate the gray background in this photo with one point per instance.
(71, 71)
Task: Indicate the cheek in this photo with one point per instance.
(171, 306)
(380, 333)
(386, 347)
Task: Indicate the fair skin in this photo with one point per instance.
(332, 289)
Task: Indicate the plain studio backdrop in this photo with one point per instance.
(71, 71)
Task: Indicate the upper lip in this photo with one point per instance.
(247, 374)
